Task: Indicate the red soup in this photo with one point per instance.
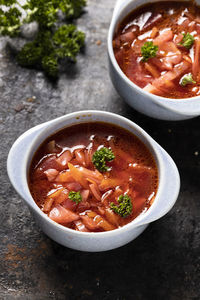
(93, 177)
(157, 46)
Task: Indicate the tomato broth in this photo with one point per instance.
(70, 184)
(157, 46)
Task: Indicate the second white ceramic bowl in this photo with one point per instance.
(144, 102)
(19, 160)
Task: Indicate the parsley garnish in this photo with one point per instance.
(75, 196)
(148, 50)
(54, 42)
(100, 158)
(187, 79)
(187, 40)
(124, 208)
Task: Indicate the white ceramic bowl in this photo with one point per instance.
(18, 164)
(144, 102)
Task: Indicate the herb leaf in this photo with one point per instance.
(53, 42)
(48, 49)
(148, 50)
(187, 40)
(75, 196)
(124, 208)
(187, 79)
(10, 21)
(100, 158)
(71, 8)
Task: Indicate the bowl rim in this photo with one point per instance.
(163, 101)
(152, 146)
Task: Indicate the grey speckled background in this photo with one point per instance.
(164, 262)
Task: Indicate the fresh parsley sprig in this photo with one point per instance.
(54, 42)
(187, 79)
(187, 40)
(48, 49)
(75, 196)
(100, 157)
(148, 50)
(124, 207)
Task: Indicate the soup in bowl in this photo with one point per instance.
(154, 48)
(93, 177)
(94, 180)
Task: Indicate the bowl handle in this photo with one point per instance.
(168, 191)
(16, 162)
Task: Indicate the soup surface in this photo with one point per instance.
(93, 177)
(157, 46)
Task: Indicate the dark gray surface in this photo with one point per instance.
(164, 262)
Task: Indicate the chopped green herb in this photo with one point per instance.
(187, 40)
(124, 208)
(48, 49)
(10, 20)
(187, 79)
(148, 50)
(54, 42)
(75, 196)
(100, 158)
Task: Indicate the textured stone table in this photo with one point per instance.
(164, 262)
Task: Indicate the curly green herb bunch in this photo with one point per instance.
(124, 207)
(54, 41)
(100, 157)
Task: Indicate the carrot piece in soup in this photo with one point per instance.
(62, 196)
(93, 175)
(78, 175)
(55, 194)
(48, 204)
(89, 222)
(64, 176)
(100, 221)
(109, 183)
(152, 70)
(104, 224)
(187, 58)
